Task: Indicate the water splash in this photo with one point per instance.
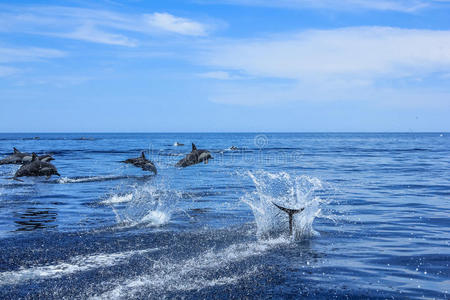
(150, 204)
(116, 199)
(291, 191)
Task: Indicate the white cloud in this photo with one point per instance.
(362, 51)
(385, 5)
(96, 26)
(348, 63)
(170, 23)
(220, 75)
(9, 55)
(89, 33)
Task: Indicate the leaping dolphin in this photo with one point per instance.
(36, 168)
(291, 213)
(22, 157)
(142, 162)
(195, 157)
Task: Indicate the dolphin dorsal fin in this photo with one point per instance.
(193, 147)
(143, 155)
(33, 156)
(15, 150)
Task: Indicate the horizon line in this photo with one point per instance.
(206, 132)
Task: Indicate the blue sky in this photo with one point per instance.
(225, 65)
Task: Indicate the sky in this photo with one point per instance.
(225, 66)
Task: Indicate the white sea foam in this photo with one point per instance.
(156, 218)
(64, 180)
(192, 274)
(74, 265)
(289, 191)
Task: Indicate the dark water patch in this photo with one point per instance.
(35, 218)
(419, 266)
(199, 210)
(440, 222)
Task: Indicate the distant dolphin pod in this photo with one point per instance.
(291, 213)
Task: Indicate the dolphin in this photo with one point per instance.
(291, 213)
(43, 158)
(195, 157)
(142, 162)
(22, 157)
(176, 144)
(36, 168)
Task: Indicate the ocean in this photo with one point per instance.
(375, 224)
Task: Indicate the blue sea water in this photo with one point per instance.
(376, 222)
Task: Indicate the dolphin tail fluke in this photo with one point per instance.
(288, 210)
(291, 213)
